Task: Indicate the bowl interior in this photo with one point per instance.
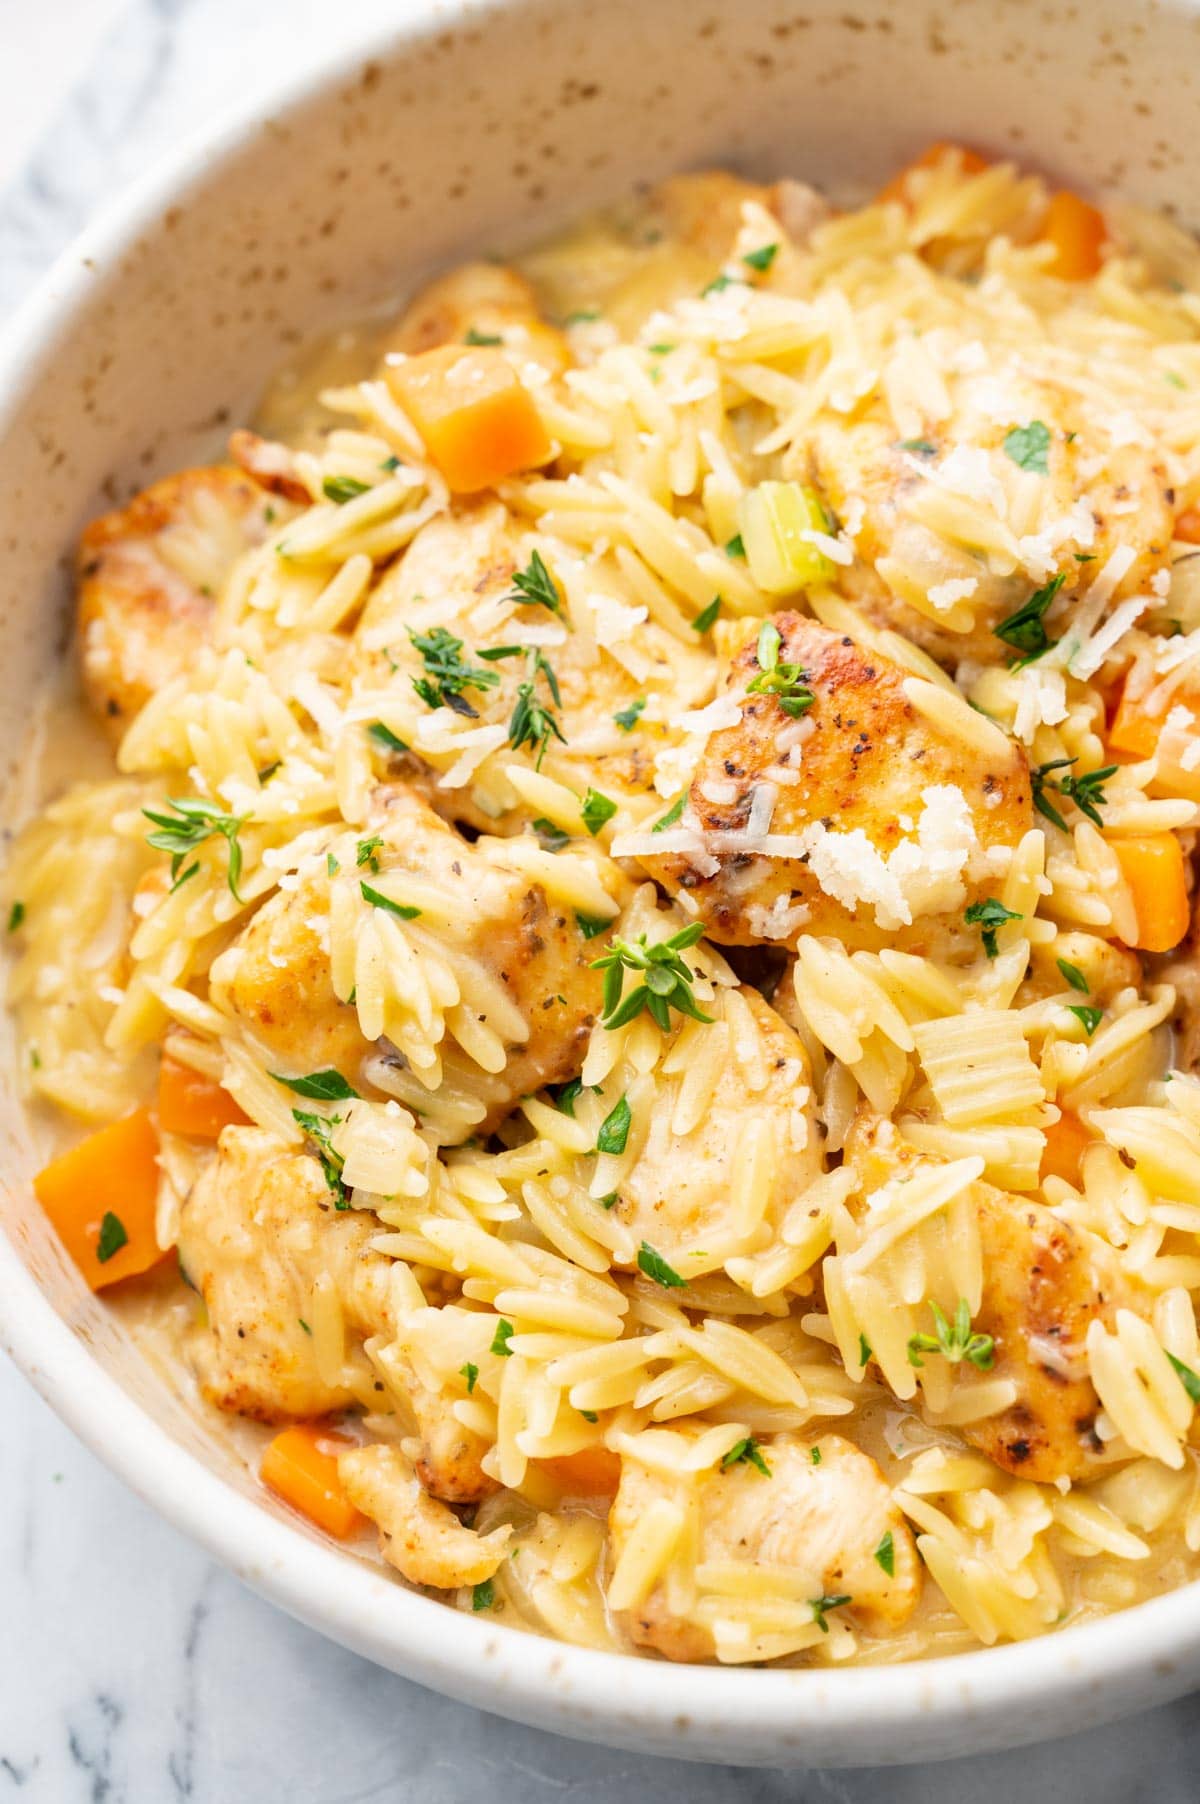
(465, 130)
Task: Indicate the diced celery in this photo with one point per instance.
(774, 518)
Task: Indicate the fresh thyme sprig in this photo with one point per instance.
(667, 980)
(446, 674)
(1087, 792)
(535, 587)
(953, 1340)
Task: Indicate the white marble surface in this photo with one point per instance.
(132, 1670)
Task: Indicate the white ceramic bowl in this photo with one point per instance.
(464, 128)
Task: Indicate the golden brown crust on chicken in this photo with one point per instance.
(148, 577)
(258, 1227)
(480, 300)
(277, 976)
(866, 759)
(822, 1519)
(421, 1538)
(1044, 1282)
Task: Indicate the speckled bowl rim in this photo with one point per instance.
(996, 1697)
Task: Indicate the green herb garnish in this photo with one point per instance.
(666, 983)
(1187, 1378)
(319, 1086)
(368, 852)
(197, 822)
(672, 815)
(821, 1605)
(627, 718)
(597, 810)
(385, 738)
(483, 1595)
(504, 1333)
(953, 1340)
(655, 1266)
(472, 336)
(1087, 792)
(111, 1238)
(989, 915)
(1029, 446)
(470, 1373)
(746, 1453)
(762, 259)
(1090, 1017)
(377, 899)
(1073, 975)
(706, 616)
(16, 915)
(318, 1129)
(590, 926)
(551, 837)
(340, 489)
(735, 547)
(885, 1554)
(446, 674)
(535, 587)
(786, 682)
(1025, 630)
(614, 1129)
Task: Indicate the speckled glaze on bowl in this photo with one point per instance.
(465, 127)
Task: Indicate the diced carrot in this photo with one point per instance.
(1187, 525)
(970, 162)
(300, 1465)
(1066, 1142)
(477, 418)
(101, 1197)
(592, 1472)
(1134, 730)
(1078, 233)
(192, 1104)
(1154, 870)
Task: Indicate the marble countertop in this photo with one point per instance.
(132, 1670)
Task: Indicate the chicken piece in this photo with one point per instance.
(449, 1459)
(269, 464)
(822, 1519)
(1044, 1283)
(528, 954)
(148, 578)
(458, 575)
(681, 1196)
(257, 1228)
(864, 465)
(480, 301)
(421, 1538)
(890, 821)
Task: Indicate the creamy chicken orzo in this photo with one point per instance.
(627, 991)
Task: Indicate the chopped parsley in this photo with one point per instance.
(820, 1606)
(483, 1595)
(331, 864)
(1073, 975)
(735, 547)
(1087, 792)
(111, 1238)
(589, 1415)
(1173, 379)
(814, 1455)
(704, 619)
(1029, 447)
(446, 674)
(1187, 1378)
(718, 284)
(196, 822)
(385, 738)
(762, 258)
(1090, 1016)
(666, 984)
(1025, 630)
(368, 852)
(864, 1350)
(535, 587)
(786, 682)
(16, 915)
(609, 1200)
(627, 718)
(885, 1554)
(304, 1324)
(318, 1129)
(377, 899)
(470, 1372)
(655, 1266)
(551, 837)
(472, 336)
(597, 810)
(746, 1452)
(340, 489)
(590, 926)
(614, 1129)
(319, 1086)
(922, 447)
(504, 1333)
(582, 316)
(989, 915)
(953, 1340)
(672, 815)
